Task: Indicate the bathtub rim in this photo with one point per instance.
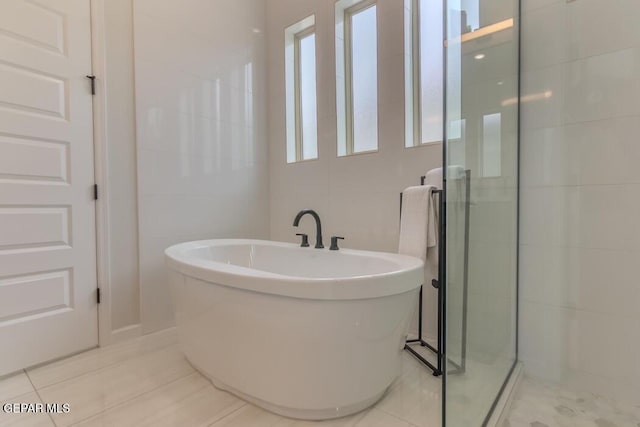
(410, 276)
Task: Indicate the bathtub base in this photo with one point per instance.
(304, 333)
(301, 414)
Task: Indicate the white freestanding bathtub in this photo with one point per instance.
(303, 332)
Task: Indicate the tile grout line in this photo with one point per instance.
(108, 365)
(592, 248)
(380, 408)
(130, 399)
(39, 397)
(244, 404)
(579, 310)
(569, 61)
(578, 185)
(394, 416)
(573, 123)
(209, 384)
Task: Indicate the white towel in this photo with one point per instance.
(434, 176)
(419, 238)
(418, 227)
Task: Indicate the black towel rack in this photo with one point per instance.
(437, 284)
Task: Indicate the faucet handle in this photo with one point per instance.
(334, 243)
(305, 240)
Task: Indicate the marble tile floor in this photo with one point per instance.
(147, 382)
(540, 404)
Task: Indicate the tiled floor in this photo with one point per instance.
(147, 382)
(540, 404)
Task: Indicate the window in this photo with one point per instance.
(423, 72)
(356, 76)
(301, 97)
(492, 145)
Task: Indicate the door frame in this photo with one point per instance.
(101, 163)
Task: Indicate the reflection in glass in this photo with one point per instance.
(491, 142)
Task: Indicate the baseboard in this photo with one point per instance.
(502, 409)
(126, 333)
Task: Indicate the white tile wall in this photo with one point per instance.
(356, 196)
(200, 71)
(580, 196)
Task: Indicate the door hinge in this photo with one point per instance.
(93, 84)
(98, 295)
(95, 191)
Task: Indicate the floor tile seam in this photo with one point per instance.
(128, 400)
(10, 376)
(394, 416)
(101, 368)
(243, 405)
(35, 390)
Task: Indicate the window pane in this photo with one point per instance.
(409, 83)
(492, 145)
(308, 97)
(290, 95)
(364, 80)
(300, 93)
(431, 95)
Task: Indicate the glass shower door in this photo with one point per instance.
(481, 159)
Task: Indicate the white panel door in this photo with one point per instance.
(47, 215)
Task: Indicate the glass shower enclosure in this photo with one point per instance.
(481, 160)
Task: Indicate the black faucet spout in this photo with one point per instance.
(315, 216)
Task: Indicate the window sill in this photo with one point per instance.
(425, 144)
(359, 153)
(303, 161)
